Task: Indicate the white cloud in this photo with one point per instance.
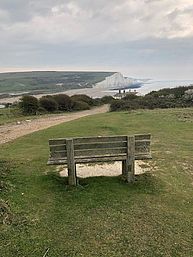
(99, 22)
(143, 34)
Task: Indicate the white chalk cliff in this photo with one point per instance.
(116, 81)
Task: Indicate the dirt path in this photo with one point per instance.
(10, 132)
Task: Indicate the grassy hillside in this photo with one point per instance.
(104, 216)
(46, 81)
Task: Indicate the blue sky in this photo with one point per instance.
(140, 38)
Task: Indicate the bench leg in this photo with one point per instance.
(72, 179)
(128, 170)
(124, 169)
(130, 176)
(130, 162)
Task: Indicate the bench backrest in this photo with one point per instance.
(101, 148)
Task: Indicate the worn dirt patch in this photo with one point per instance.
(105, 169)
(10, 132)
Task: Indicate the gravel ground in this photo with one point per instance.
(105, 169)
(10, 132)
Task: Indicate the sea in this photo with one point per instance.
(155, 85)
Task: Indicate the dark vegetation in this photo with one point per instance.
(30, 105)
(48, 81)
(164, 98)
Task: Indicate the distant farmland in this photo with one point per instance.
(48, 81)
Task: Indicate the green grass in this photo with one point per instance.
(104, 216)
(9, 115)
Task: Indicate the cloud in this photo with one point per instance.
(96, 22)
(93, 33)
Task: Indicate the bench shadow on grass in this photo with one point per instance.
(144, 183)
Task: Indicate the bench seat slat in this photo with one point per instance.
(92, 154)
(57, 141)
(144, 144)
(100, 145)
(142, 136)
(100, 152)
(87, 160)
(61, 161)
(54, 148)
(58, 154)
(82, 140)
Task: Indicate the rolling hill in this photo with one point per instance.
(48, 81)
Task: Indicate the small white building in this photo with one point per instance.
(120, 95)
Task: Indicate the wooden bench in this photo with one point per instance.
(127, 149)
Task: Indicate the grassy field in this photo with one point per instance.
(103, 216)
(9, 115)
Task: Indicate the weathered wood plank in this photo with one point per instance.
(130, 163)
(72, 179)
(101, 145)
(139, 146)
(142, 148)
(142, 136)
(100, 152)
(87, 160)
(57, 141)
(58, 154)
(100, 159)
(54, 148)
(82, 140)
(60, 161)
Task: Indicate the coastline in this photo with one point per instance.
(98, 92)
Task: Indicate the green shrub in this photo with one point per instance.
(29, 104)
(48, 103)
(64, 102)
(164, 98)
(83, 98)
(107, 99)
(80, 106)
(118, 105)
(41, 110)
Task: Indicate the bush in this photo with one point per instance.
(130, 97)
(48, 103)
(107, 99)
(118, 105)
(164, 98)
(41, 110)
(29, 104)
(83, 98)
(80, 106)
(64, 102)
(97, 101)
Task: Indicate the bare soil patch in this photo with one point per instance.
(10, 132)
(104, 169)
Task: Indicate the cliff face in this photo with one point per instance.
(116, 81)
